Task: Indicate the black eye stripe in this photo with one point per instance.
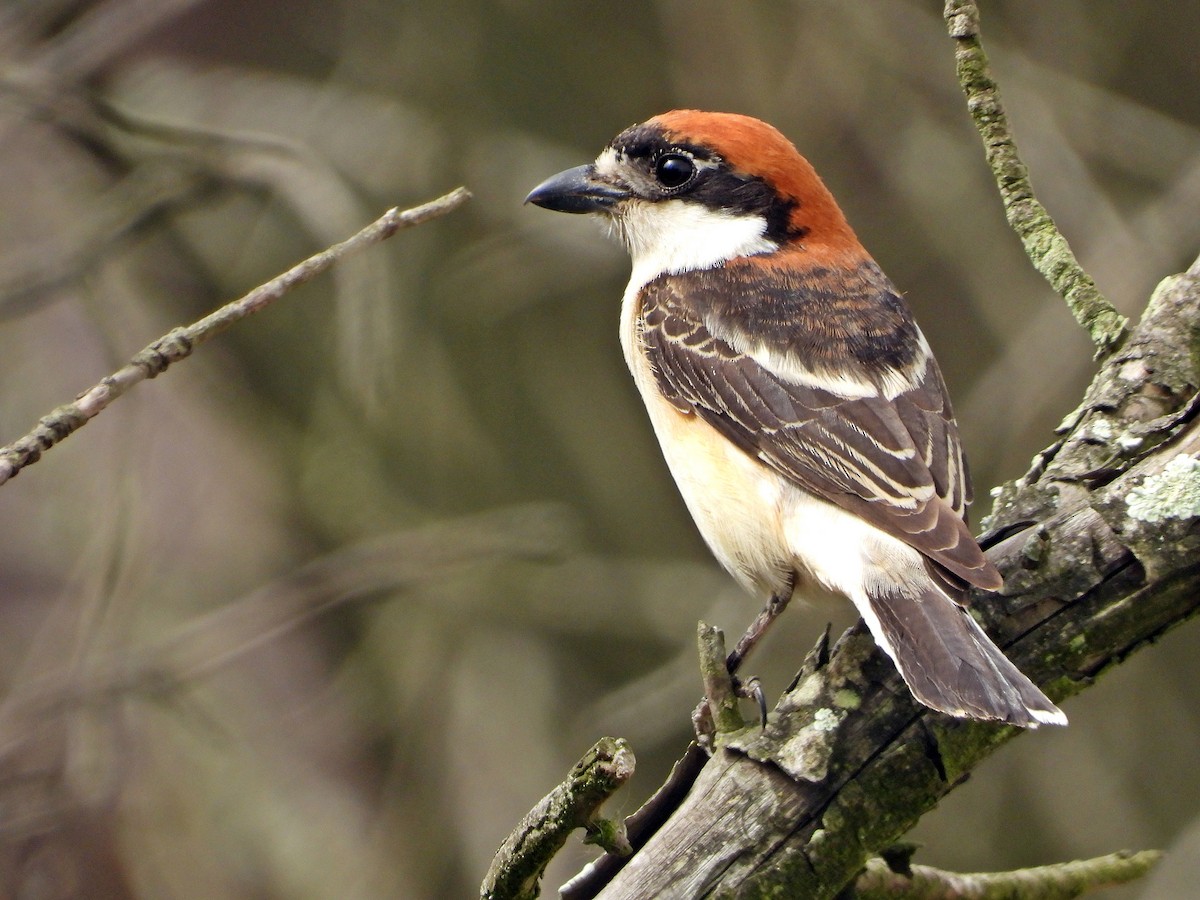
(713, 182)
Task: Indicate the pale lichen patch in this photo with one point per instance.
(1101, 429)
(1173, 493)
(827, 719)
(1129, 442)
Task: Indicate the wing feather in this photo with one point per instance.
(897, 461)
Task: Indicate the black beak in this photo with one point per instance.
(578, 190)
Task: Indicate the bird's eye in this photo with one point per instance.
(674, 170)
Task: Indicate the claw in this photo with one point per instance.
(751, 689)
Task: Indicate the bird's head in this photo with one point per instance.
(690, 190)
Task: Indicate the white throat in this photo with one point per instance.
(673, 236)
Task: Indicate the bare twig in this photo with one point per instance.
(1060, 881)
(1044, 243)
(180, 342)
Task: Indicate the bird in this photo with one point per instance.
(797, 404)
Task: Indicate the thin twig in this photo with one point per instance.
(180, 342)
(1054, 882)
(1044, 243)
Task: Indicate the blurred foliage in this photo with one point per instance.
(324, 611)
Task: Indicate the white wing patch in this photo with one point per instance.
(893, 382)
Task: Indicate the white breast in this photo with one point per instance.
(760, 526)
(735, 500)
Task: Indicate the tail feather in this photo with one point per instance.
(949, 663)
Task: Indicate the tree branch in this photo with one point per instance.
(180, 342)
(516, 872)
(720, 703)
(1061, 881)
(1043, 242)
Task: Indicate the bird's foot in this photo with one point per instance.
(751, 689)
(775, 605)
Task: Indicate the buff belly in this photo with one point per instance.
(767, 532)
(770, 534)
(737, 503)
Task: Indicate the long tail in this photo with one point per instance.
(949, 663)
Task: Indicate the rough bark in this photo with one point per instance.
(1097, 544)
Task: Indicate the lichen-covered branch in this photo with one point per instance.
(180, 342)
(1098, 544)
(516, 872)
(1044, 243)
(1061, 881)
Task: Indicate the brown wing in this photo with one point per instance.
(896, 463)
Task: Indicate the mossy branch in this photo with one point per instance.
(516, 872)
(1043, 242)
(180, 342)
(1061, 881)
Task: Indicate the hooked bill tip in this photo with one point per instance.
(577, 190)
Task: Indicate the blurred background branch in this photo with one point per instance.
(159, 157)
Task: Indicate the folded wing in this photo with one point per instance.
(889, 456)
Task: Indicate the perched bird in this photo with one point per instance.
(798, 405)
